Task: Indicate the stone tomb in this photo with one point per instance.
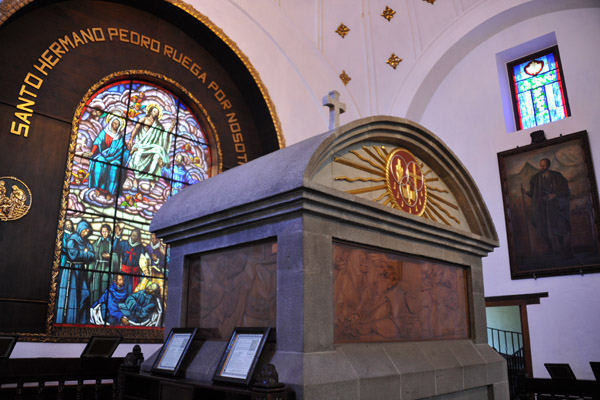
(361, 246)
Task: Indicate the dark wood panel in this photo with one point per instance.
(23, 317)
(39, 161)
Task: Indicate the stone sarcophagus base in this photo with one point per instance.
(361, 246)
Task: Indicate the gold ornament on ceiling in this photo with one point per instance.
(342, 30)
(430, 1)
(404, 182)
(393, 61)
(345, 78)
(388, 13)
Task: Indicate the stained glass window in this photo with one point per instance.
(538, 89)
(136, 145)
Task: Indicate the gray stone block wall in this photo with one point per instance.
(306, 217)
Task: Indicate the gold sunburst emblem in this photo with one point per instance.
(404, 181)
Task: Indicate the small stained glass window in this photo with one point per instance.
(538, 89)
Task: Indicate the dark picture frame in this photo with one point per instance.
(560, 371)
(595, 365)
(556, 233)
(173, 351)
(241, 355)
(7, 344)
(101, 346)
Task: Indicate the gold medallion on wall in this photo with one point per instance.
(15, 198)
(405, 182)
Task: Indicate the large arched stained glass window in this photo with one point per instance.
(135, 145)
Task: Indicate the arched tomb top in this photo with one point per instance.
(394, 162)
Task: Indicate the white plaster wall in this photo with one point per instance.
(466, 112)
(72, 350)
(507, 318)
(299, 57)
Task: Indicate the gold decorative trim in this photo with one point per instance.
(393, 61)
(345, 78)
(17, 204)
(9, 7)
(215, 148)
(388, 13)
(342, 30)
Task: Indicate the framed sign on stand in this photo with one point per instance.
(241, 355)
(173, 351)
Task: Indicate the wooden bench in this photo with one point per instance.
(59, 378)
(144, 386)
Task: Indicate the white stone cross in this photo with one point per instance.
(336, 107)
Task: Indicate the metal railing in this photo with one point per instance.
(510, 346)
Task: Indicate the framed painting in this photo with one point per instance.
(551, 207)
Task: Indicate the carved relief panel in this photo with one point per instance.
(381, 296)
(233, 288)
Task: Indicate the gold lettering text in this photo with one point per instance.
(134, 38)
(195, 69)
(98, 34)
(24, 91)
(186, 62)
(24, 117)
(29, 80)
(174, 57)
(57, 49)
(26, 103)
(155, 46)
(112, 33)
(123, 35)
(21, 129)
(77, 40)
(87, 35)
(42, 67)
(66, 41)
(49, 59)
(226, 104)
(145, 42)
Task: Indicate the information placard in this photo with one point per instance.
(241, 355)
(173, 351)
